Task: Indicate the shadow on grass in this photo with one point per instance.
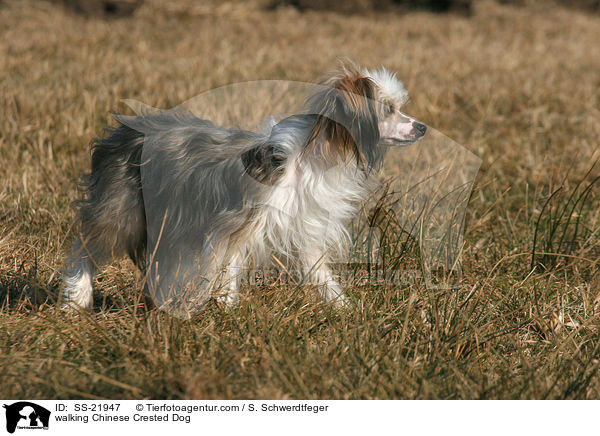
(25, 290)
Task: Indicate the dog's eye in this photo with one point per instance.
(388, 110)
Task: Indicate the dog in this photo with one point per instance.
(312, 172)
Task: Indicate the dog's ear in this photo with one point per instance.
(345, 119)
(263, 163)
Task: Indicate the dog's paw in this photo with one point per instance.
(74, 306)
(77, 292)
(228, 298)
(75, 302)
(333, 293)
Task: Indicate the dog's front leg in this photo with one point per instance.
(317, 272)
(229, 293)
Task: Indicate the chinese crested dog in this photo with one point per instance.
(311, 171)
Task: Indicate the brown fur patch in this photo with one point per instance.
(344, 111)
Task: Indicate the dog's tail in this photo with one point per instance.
(112, 213)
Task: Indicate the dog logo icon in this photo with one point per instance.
(26, 415)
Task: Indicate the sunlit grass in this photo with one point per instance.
(519, 87)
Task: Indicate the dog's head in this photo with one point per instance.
(357, 114)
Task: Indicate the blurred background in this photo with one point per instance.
(515, 82)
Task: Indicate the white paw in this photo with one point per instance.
(77, 293)
(228, 298)
(229, 294)
(333, 293)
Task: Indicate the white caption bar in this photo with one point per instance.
(45, 417)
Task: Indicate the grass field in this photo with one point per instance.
(519, 87)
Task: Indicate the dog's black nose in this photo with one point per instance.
(420, 128)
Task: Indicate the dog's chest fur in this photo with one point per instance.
(306, 210)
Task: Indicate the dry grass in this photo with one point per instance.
(517, 86)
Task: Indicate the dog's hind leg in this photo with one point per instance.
(113, 221)
(110, 229)
(78, 288)
(101, 240)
